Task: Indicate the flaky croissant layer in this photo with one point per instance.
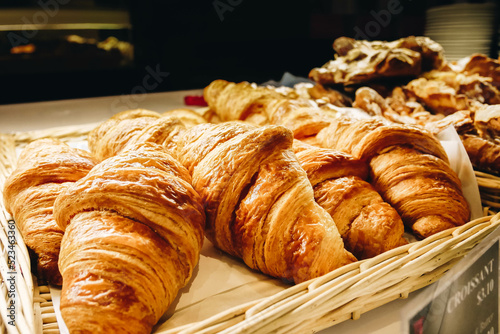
(44, 169)
(259, 203)
(133, 234)
(408, 167)
(368, 225)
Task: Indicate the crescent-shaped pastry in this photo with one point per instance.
(133, 234)
(44, 169)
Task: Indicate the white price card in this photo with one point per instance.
(464, 300)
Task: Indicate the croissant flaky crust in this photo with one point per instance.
(259, 203)
(368, 225)
(111, 136)
(239, 101)
(44, 169)
(409, 168)
(130, 127)
(365, 138)
(133, 234)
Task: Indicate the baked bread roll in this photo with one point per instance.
(259, 203)
(408, 167)
(368, 225)
(133, 234)
(44, 169)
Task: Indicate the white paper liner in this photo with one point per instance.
(460, 163)
(221, 282)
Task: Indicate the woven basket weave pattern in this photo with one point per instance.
(343, 294)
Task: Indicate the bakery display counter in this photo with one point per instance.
(354, 200)
(364, 297)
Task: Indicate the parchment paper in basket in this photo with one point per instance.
(460, 163)
(221, 282)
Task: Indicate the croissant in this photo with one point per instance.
(133, 234)
(368, 225)
(239, 101)
(131, 127)
(259, 203)
(188, 117)
(408, 167)
(111, 136)
(44, 169)
(365, 139)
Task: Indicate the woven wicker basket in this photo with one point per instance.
(343, 294)
(489, 186)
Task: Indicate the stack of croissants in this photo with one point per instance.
(293, 190)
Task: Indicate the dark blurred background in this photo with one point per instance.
(61, 49)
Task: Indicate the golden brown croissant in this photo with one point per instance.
(133, 233)
(188, 117)
(137, 126)
(366, 139)
(259, 203)
(409, 168)
(111, 136)
(478, 125)
(239, 101)
(303, 119)
(368, 225)
(44, 169)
